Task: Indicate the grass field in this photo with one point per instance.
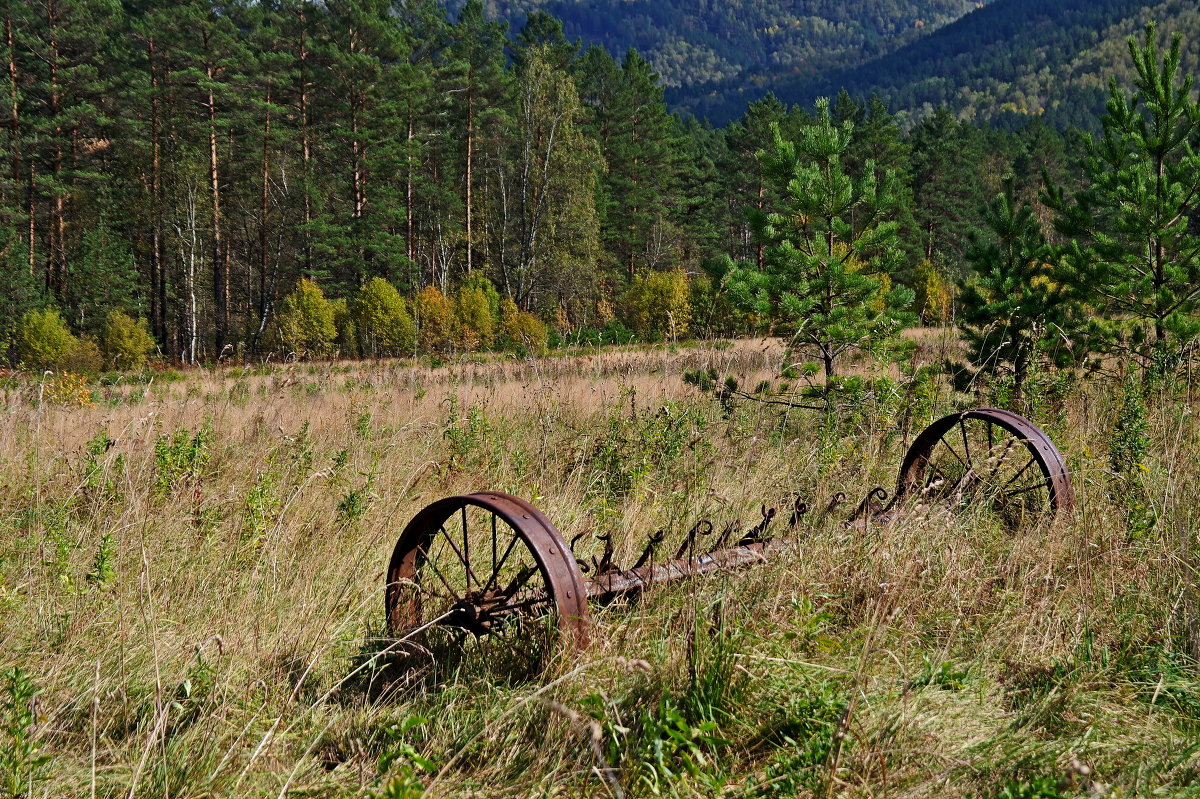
(191, 579)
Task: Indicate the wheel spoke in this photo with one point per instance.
(937, 474)
(462, 559)
(1043, 484)
(466, 547)
(438, 572)
(524, 604)
(522, 577)
(954, 452)
(1008, 445)
(496, 571)
(1017, 476)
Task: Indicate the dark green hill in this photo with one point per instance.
(1004, 63)
(732, 42)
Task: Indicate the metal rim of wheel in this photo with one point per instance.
(436, 582)
(1013, 463)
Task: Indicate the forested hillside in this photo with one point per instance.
(1003, 63)
(692, 42)
(374, 178)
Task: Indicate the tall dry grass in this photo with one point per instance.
(202, 616)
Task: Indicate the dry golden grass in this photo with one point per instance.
(215, 636)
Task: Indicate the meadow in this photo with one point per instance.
(191, 575)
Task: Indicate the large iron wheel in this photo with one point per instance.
(484, 576)
(990, 457)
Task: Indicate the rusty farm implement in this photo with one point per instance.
(490, 567)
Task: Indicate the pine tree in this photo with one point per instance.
(641, 149)
(360, 40)
(104, 278)
(478, 81)
(1014, 309)
(64, 57)
(202, 69)
(270, 77)
(20, 292)
(745, 138)
(947, 189)
(829, 249)
(1135, 251)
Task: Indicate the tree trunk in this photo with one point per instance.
(409, 201)
(14, 120)
(158, 277)
(360, 189)
(1020, 374)
(760, 257)
(220, 256)
(305, 149)
(470, 172)
(264, 299)
(55, 254)
(32, 210)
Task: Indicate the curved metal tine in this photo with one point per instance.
(799, 508)
(652, 543)
(688, 547)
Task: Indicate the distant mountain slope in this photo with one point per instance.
(1003, 63)
(729, 42)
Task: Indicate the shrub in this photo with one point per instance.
(659, 305)
(479, 282)
(43, 340)
(126, 343)
(382, 323)
(476, 306)
(934, 302)
(68, 389)
(305, 321)
(435, 319)
(521, 331)
(84, 357)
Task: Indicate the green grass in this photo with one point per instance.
(191, 595)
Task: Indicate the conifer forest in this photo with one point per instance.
(195, 165)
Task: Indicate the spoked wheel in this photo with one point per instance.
(484, 577)
(989, 457)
